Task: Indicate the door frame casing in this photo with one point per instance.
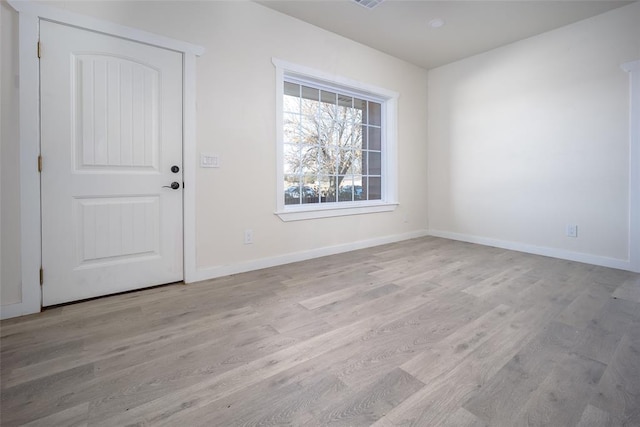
(29, 17)
(633, 68)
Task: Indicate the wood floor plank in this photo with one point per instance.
(413, 296)
(445, 355)
(595, 417)
(335, 296)
(132, 320)
(208, 390)
(289, 397)
(21, 404)
(510, 291)
(463, 418)
(500, 279)
(511, 388)
(76, 416)
(388, 345)
(618, 392)
(601, 336)
(428, 274)
(453, 380)
(580, 312)
(370, 404)
(563, 395)
(127, 379)
(610, 276)
(140, 348)
(423, 332)
(397, 342)
(629, 290)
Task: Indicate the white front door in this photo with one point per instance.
(111, 132)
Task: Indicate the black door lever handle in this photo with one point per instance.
(174, 186)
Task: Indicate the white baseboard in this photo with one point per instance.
(537, 250)
(17, 309)
(21, 309)
(226, 270)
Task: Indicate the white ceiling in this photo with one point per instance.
(400, 27)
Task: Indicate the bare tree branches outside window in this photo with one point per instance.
(332, 146)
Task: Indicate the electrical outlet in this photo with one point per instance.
(572, 230)
(248, 236)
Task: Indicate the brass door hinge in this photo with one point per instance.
(38, 48)
(39, 163)
(41, 276)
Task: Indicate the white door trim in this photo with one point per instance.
(28, 32)
(633, 68)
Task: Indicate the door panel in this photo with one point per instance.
(126, 94)
(117, 228)
(111, 117)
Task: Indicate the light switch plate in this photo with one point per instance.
(209, 160)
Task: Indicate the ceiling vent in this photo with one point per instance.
(369, 4)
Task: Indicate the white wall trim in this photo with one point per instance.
(189, 165)
(226, 270)
(633, 68)
(537, 250)
(333, 211)
(334, 79)
(14, 310)
(389, 100)
(28, 33)
(67, 17)
(29, 177)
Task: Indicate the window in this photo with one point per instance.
(332, 146)
(336, 145)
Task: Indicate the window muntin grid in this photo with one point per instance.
(332, 145)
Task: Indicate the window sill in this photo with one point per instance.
(304, 213)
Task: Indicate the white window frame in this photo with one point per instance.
(389, 174)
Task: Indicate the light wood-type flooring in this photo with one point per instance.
(427, 332)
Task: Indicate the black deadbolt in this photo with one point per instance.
(175, 169)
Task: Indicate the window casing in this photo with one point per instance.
(336, 145)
